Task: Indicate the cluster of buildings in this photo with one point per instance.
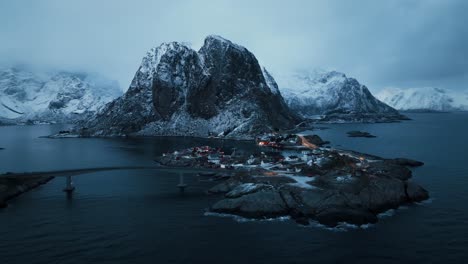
(267, 157)
(277, 141)
(276, 153)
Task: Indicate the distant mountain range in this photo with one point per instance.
(222, 90)
(53, 97)
(333, 97)
(219, 90)
(425, 99)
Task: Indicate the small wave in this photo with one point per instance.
(387, 213)
(341, 227)
(241, 219)
(428, 201)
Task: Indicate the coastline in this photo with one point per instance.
(319, 184)
(12, 187)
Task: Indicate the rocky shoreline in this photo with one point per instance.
(330, 186)
(329, 199)
(11, 187)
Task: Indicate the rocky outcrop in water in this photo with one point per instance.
(356, 133)
(220, 90)
(337, 193)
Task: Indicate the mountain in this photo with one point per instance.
(221, 89)
(58, 97)
(331, 96)
(425, 99)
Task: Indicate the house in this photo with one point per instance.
(214, 158)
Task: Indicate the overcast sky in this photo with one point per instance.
(406, 43)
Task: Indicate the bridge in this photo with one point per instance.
(68, 174)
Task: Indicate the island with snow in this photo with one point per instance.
(295, 176)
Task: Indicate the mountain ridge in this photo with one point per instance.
(219, 90)
(331, 96)
(52, 97)
(426, 99)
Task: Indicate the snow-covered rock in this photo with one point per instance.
(425, 99)
(332, 96)
(58, 97)
(221, 89)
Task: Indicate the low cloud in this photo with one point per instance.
(381, 43)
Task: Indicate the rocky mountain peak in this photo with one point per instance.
(218, 42)
(220, 89)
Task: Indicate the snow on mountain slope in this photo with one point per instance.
(424, 99)
(52, 97)
(221, 89)
(334, 97)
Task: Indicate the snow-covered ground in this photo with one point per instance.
(321, 92)
(52, 97)
(428, 98)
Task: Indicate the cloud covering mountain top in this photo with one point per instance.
(382, 43)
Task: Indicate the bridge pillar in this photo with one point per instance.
(69, 188)
(181, 184)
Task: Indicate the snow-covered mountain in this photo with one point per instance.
(425, 99)
(221, 89)
(331, 96)
(58, 97)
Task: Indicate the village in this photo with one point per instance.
(277, 155)
(300, 177)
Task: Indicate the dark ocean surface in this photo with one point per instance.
(140, 217)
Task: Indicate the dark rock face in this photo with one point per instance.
(264, 202)
(333, 196)
(316, 140)
(177, 91)
(416, 193)
(407, 162)
(175, 79)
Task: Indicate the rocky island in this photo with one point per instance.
(360, 134)
(293, 177)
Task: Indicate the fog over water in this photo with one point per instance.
(413, 43)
